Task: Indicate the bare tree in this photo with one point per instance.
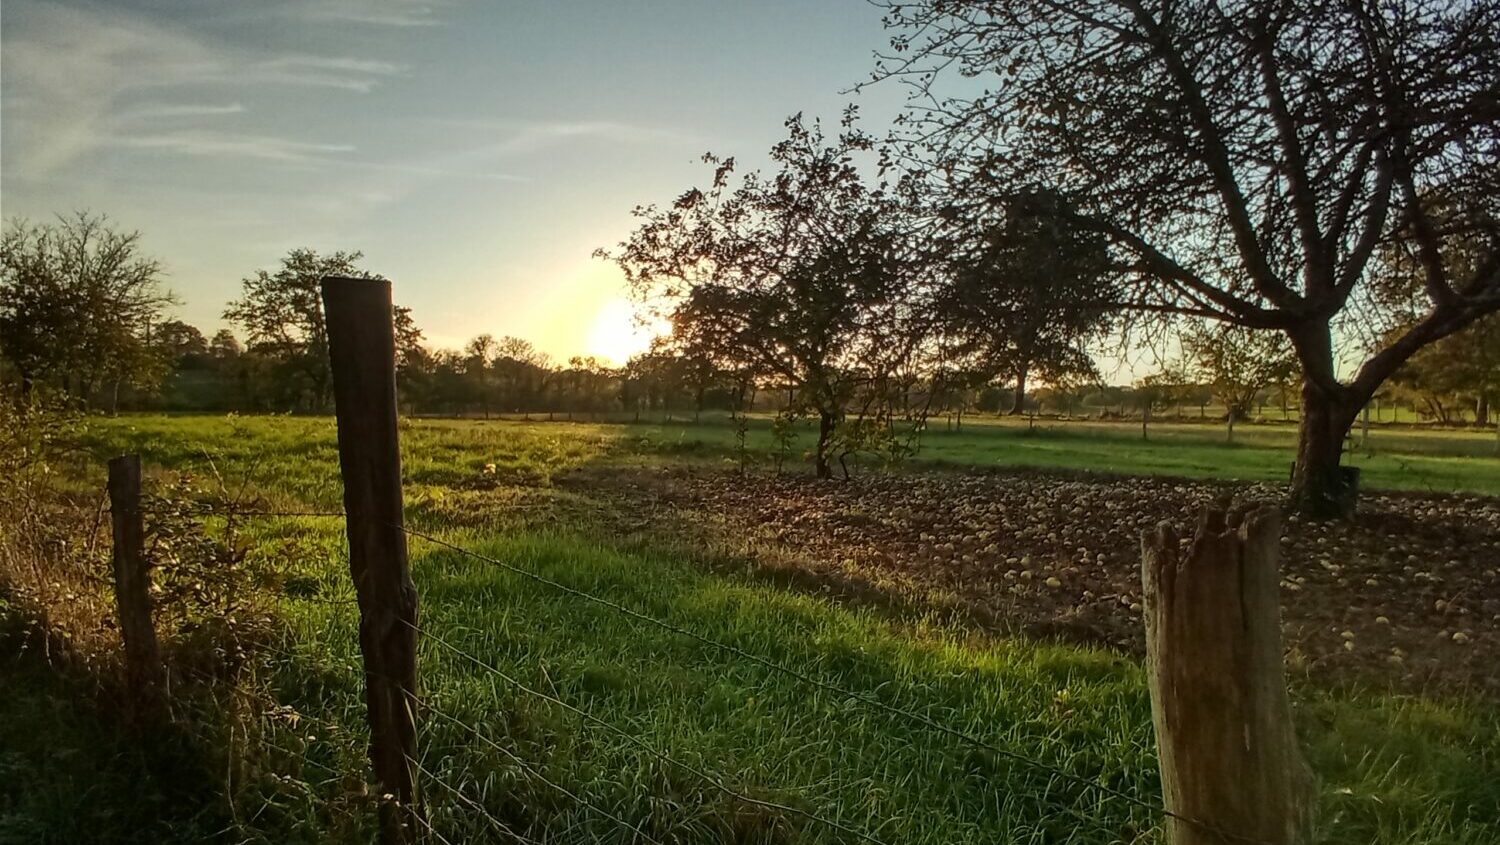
(1245, 159)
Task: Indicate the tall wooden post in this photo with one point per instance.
(144, 673)
(1229, 757)
(362, 348)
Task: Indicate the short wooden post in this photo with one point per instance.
(144, 673)
(1230, 768)
(362, 349)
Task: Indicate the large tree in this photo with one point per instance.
(1245, 159)
(78, 302)
(1025, 294)
(281, 313)
(798, 277)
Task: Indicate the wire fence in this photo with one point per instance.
(709, 778)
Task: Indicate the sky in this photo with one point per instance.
(476, 151)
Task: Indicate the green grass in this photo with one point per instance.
(1393, 769)
(1393, 459)
(448, 452)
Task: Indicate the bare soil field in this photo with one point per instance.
(1407, 596)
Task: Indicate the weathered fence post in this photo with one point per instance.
(144, 673)
(1230, 768)
(362, 348)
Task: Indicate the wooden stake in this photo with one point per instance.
(145, 675)
(362, 349)
(1229, 756)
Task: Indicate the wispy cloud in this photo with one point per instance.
(229, 145)
(436, 169)
(350, 74)
(167, 111)
(70, 72)
(398, 13)
(524, 137)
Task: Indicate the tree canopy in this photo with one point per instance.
(1245, 159)
(1024, 294)
(801, 277)
(78, 302)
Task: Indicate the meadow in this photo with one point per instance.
(552, 716)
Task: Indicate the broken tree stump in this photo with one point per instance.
(1230, 768)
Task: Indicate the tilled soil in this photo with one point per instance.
(1406, 595)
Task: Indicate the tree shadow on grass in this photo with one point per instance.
(72, 770)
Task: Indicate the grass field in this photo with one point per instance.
(1394, 768)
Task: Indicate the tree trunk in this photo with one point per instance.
(826, 421)
(1229, 428)
(1321, 488)
(1018, 404)
(1482, 410)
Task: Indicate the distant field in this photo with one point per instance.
(1393, 458)
(1395, 768)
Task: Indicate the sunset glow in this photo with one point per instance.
(617, 334)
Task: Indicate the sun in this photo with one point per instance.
(617, 335)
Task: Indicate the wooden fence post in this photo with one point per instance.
(144, 673)
(1229, 757)
(362, 349)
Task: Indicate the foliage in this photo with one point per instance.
(1025, 294)
(1463, 368)
(1245, 160)
(281, 313)
(78, 302)
(796, 279)
(783, 433)
(1238, 364)
(210, 594)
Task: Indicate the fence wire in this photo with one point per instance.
(803, 677)
(328, 728)
(696, 771)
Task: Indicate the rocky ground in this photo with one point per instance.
(1405, 595)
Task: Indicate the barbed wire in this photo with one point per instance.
(475, 805)
(775, 666)
(235, 513)
(828, 686)
(328, 728)
(426, 705)
(533, 772)
(696, 771)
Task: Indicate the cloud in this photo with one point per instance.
(524, 137)
(351, 74)
(69, 71)
(397, 13)
(229, 145)
(167, 111)
(437, 170)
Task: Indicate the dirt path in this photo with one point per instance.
(1407, 595)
